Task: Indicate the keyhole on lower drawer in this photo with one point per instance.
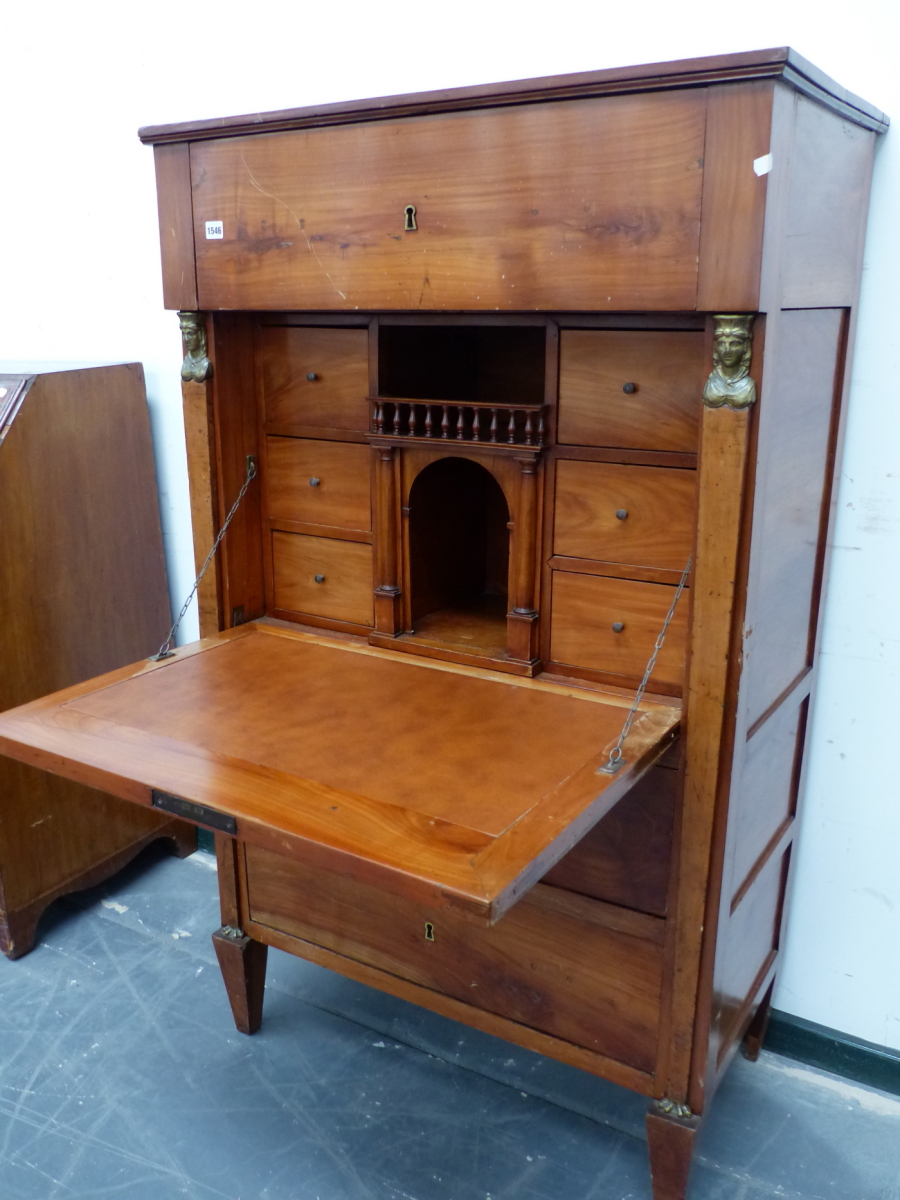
(410, 214)
(429, 932)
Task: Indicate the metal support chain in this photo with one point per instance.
(615, 760)
(165, 650)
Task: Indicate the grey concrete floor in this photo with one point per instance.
(121, 1075)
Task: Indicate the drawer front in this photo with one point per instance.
(335, 398)
(345, 568)
(635, 515)
(549, 963)
(584, 609)
(576, 205)
(319, 483)
(666, 371)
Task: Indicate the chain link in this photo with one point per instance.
(165, 650)
(615, 760)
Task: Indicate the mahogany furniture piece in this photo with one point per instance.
(507, 360)
(82, 590)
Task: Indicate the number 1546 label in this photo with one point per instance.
(214, 229)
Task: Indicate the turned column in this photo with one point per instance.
(388, 617)
(522, 619)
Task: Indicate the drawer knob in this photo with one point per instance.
(320, 579)
(311, 376)
(313, 481)
(621, 513)
(629, 388)
(618, 626)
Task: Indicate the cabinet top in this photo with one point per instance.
(780, 63)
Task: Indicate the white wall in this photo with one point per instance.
(79, 280)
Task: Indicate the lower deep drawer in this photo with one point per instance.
(563, 964)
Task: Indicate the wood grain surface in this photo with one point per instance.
(323, 576)
(335, 399)
(464, 786)
(584, 610)
(659, 506)
(610, 1004)
(342, 495)
(584, 205)
(663, 411)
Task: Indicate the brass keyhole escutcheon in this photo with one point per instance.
(409, 214)
(429, 932)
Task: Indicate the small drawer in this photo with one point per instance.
(319, 483)
(555, 962)
(584, 610)
(642, 516)
(323, 577)
(636, 389)
(314, 378)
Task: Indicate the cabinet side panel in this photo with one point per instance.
(738, 131)
(797, 427)
(176, 225)
(831, 171)
(232, 351)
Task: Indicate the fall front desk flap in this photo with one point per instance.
(446, 784)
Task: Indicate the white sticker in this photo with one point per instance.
(215, 229)
(762, 166)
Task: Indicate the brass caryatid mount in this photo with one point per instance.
(196, 366)
(730, 383)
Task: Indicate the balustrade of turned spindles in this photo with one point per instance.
(389, 417)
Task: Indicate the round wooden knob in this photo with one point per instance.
(618, 626)
(320, 579)
(629, 388)
(313, 482)
(621, 513)
(312, 377)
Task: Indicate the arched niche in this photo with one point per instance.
(459, 546)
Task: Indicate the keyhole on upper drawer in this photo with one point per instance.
(429, 932)
(410, 214)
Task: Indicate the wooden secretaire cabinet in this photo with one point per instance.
(532, 390)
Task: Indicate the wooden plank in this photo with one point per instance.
(738, 132)
(611, 1003)
(793, 490)
(589, 204)
(825, 224)
(626, 858)
(585, 610)
(231, 349)
(335, 398)
(176, 225)
(199, 437)
(339, 498)
(664, 371)
(324, 577)
(449, 762)
(723, 462)
(629, 515)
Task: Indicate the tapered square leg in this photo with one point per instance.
(242, 962)
(670, 1142)
(756, 1030)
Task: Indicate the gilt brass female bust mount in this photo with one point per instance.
(730, 383)
(196, 366)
